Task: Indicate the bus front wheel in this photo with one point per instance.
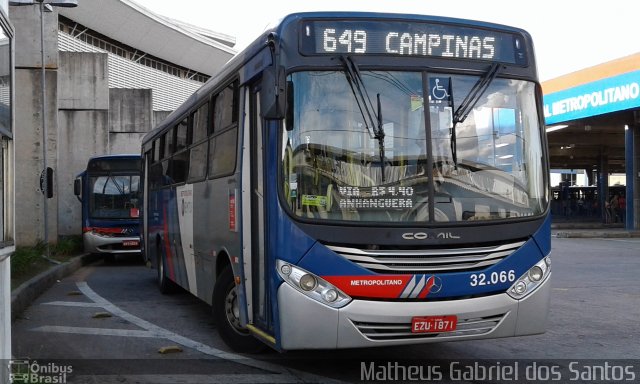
(226, 313)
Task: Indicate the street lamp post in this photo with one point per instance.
(45, 6)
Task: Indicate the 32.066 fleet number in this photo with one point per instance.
(483, 279)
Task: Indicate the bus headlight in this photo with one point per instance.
(528, 282)
(308, 282)
(312, 285)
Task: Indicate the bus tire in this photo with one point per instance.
(165, 285)
(226, 316)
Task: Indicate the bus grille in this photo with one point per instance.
(399, 331)
(440, 260)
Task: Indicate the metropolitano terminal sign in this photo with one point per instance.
(612, 94)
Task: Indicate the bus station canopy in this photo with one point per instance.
(586, 113)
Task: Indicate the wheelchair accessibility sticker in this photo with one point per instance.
(439, 90)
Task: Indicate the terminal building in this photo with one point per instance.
(114, 69)
(593, 128)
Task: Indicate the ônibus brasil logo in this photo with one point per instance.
(24, 371)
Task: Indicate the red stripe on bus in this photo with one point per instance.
(427, 287)
(382, 286)
(103, 230)
(167, 244)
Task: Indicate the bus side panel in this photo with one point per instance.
(153, 216)
(203, 244)
(171, 237)
(212, 236)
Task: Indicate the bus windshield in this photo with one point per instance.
(113, 196)
(430, 167)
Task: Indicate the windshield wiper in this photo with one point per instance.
(115, 183)
(469, 102)
(370, 117)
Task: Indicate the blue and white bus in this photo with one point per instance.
(109, 192)
(358, 180)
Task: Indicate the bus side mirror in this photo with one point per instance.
(272, 95)
(77, 188)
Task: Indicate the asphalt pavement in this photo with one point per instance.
(22, 296)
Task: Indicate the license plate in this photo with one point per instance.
(434, 324)
(130, 243)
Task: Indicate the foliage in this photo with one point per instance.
(27, 262)
(25, 258)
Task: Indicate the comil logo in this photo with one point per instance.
(127, 231)
(428, 235)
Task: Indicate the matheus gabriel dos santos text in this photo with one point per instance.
(580, 372)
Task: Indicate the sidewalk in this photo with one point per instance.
(590, 230)
(23, 295)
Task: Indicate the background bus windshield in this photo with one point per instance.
(114, 196)
(338, 165)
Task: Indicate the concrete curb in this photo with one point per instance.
(23, 295)
(595, 234)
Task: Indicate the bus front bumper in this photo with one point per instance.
(95, 243)
(308, 324)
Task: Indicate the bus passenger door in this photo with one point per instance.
(254, 233)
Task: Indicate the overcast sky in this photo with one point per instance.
(568, 34)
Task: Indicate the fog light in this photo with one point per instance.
(330, 295)
(520, 287)
(308, 282)
(535, 273)
(285, 269)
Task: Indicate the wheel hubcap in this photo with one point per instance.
(232, 311)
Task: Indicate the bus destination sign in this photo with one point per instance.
(403, 38)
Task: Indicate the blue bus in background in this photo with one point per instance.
(109, 192)
(358, 180)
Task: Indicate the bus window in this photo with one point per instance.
(200, 121)
(156, 176)
(151, 153)
(225, 111)
(222, 157)
(113, 196)
(180, 166)
(168, 144)
(158, 147)
(198, 162)
(166, 172)
(182, 135)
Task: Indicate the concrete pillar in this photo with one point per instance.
(630, 172)
(83, 121)
(603, 185)
(130, 118)
(29, 160)
(636, 177)
(28, 156)
(85, 132)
